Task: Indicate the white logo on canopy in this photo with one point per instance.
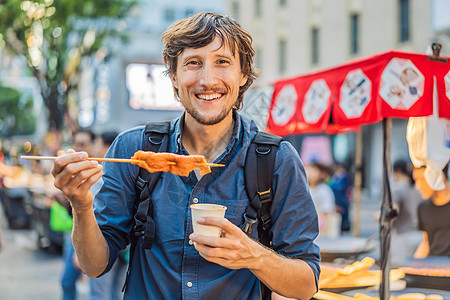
(447, 85)
(316, 101)
(402, 84)
(355, 94)
(285, 105)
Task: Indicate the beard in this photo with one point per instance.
(197, 116)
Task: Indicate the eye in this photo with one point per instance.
(223, 61)
(192, 63)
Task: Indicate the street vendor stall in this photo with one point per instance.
(393, 84)
(26, 203)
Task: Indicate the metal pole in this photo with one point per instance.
(358, 183)
(387, 213)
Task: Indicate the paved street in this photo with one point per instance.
(29, 273)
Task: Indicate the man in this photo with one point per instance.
(433, 215)
(209, 59)
(82, 140)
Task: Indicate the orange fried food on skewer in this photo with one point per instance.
(169, 162)
(146, 161)
(186, 163)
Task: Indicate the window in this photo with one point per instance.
(257, 8)
(315, 45)
(282, 59)
(149, 88)
(169, 15)
(235, 10)
(354, 33)
(404, 31)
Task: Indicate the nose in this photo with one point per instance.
(208, 75)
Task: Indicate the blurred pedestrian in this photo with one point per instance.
(82, 140)
(434, 216)
(109, 285)
(340, 184)
(323, 198)
(405, 235)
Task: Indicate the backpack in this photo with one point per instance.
(260, 158)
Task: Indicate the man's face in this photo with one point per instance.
(421, 183)
(82, 142)
(208, 81)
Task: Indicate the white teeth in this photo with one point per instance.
(209, 97)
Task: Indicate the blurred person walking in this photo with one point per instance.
(434, 216)
(405, 235)
(108, 286)
(83, 140)
(340, 184)
(323, 198)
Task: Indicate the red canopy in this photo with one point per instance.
(392, 84)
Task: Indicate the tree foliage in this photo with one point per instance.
(16, 115)
(55, 36)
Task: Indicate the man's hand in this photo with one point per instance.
(234, 250)
(74, 175)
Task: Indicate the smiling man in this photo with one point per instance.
(209, 59)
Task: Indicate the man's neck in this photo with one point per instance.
(207, 140)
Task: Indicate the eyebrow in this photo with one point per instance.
(184, 59)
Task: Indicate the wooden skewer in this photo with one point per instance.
(89, 158)
(112, 160)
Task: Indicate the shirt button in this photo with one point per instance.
(195, 200)
(191, 242)
(189, 284)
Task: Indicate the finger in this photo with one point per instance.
(85, 186)
(223, 223)
(215, 242)
(66, 175)
(222, 258)
(84, 175)
(62, 161)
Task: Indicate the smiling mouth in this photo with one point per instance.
(208, 97)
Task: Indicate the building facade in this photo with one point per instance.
(293, 37)
(296, 37)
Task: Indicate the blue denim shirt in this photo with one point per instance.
(172, 268)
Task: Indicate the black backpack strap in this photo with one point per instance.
(260, 158)
(144, 225)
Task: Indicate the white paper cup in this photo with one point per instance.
(207, 210)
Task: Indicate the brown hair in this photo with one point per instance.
(199, 31)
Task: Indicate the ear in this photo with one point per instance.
(243, 81)
(173, 77)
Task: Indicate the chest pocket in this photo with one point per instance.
(170, 208)
(235, 211)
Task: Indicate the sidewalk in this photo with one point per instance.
(26, 272)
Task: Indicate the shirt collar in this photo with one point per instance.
(178, 129)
